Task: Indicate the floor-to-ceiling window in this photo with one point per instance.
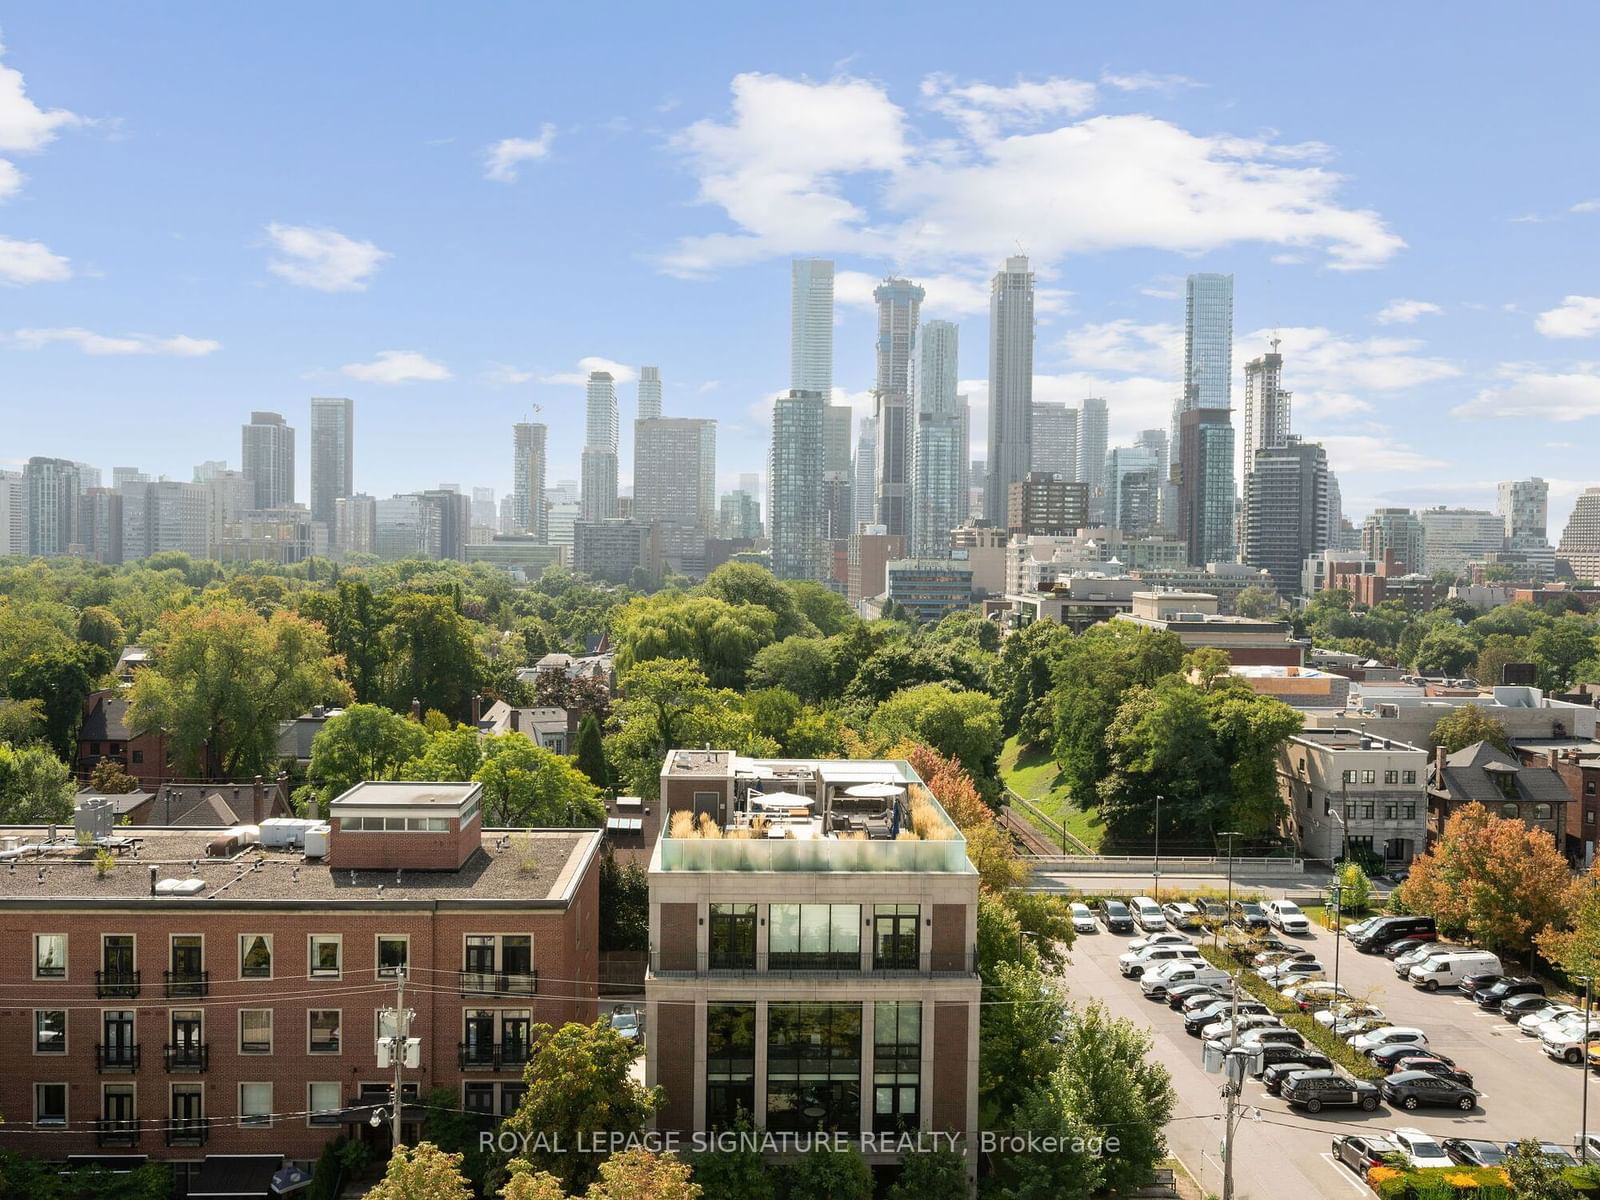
(813, 1067)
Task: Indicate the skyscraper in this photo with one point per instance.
(484, 514)
(1010, 384)
(794, 474)
(1093, 434)
(1454, 537)
(1266, 406)
(1396, 529)
(1580, 541)
(838, 491)
(1205, 485)
(899, 305)
(51, 498)
(1208, 341)
(13, 515)
(1525, 507)
(1286, 511)
(1207, 385)
(811, 325)
(599, 487)
(649, 393)
(332, 454)
(866, 472)
(167, 515)
(675, 472)
(268, 459)
(1155, 441)
(528, 508)
(1132, 489)
(938, 442)
(1055, 439)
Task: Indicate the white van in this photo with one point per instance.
(1147, 913)
(1448, 970)
(1158, 981)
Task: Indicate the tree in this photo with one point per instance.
(526, 785)
(1534, 1176)
(109, 778)
(1023, 680)
(422, 1172)
(35, 787)
(774, 711)
(822, 606)
(804, 665)
(824, 1174)
(101, 631)
(1499, 649)
(1020, 1032)
(738, 1172)
(1046, 921)
(59, 679)
(1257, 602)
(354, 619)
(222, 680)
(624, 905)
(636, 1174)
(580, 1086)
(1508, 620)
(718, 636)
(1249, 730)
(746, 583)
(429, 654)
(366, 741)
(590, 756)
(451, 754)
(1445, 650)
(1467, 726)
(1160, 742)
(1355, 888)
(533, 1185)
(931, 1175)
(959, 724)
(21, 721)
(1560, 647)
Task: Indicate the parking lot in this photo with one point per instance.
(1286, 1152)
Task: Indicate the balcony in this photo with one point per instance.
(188, 1131)
(187, 985)
(116, 1132)
(492, 1056)
(498, 983)
(803, 966)
(116, 984)
(188, 1059)
(122, 1058)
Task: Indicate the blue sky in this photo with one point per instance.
(443, 211)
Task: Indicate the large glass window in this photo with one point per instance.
(732, 937)
(323, 1103)
(813, 1067)
(896, 1066)
(255, 1105)
(255, 1031)
(730, 1063)
(894, 937)
(323, 1025)
(393, 951)
(814, 937)
(49, 956)
(49, 1031)
(49, 1104)
(255, 955)
(326, 955)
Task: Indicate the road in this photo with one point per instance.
(1285, 1153)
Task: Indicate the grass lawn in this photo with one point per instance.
(1033, 774)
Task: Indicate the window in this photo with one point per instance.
(1588, 816)
(326, 955)
(1366, 812)
(894, 936)
(1368, 776)
(1409, 777)
(255, 1031)
(1390, 811)
(731, 937)
(1391, 776)
(323, 1103)
(516, 954)
(511, 1095)
(730, 1063)
(187, 977)
(393, 952)
(1350, 777)
(1410, 812)
(117, 1110)
(896, 1066)
(49, 956)
(1349, 810)
(49, 1031)
(478, 1098)
(1541, 812)
(516, 1035)
(395, 824)
(813, 1067)
(49, 1104)
(814, 937)
(117, 1047)
(1588, 787)
(138, 756)
(1506, 781)
(255, 956)
(255, 1105)
(1508, 810)
(511, 952)
(117, 974)
(323, 1030)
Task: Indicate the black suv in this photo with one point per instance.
(1114, 915)
(1219, 1011)
(1317, 1090)
(1412, 1089)
(1491, 997)
(1303, 1057)
(1249, 915)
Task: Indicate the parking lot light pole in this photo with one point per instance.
(1228, 915)
(1336, 890)
(1583, 1135)
(1157, 872)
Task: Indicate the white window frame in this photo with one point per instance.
(311, 1103)
(66, 947)
(311, 955)
(272, 956)
(377, 940)
(66, 1105)
(254, 1121)
(271, 1037)
(35, 1035)
(339, 1012)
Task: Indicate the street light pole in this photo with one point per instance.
(1583, 1137)
(1338, 930)
(1228, 915)
(1157, 872)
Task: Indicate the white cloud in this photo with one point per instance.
(397, 366)
(1404, 312)
(25, 128)
(1125, 345)
(1318, 359)
(1585, 206)
(804, 167)
(620, 372)
(1367, 454)
(178, 346)
(1574, 317)
(31, 262)
(324, 259)
(501, 160)
(948, 296)
(503, 375)
(1146, 81)
(1542, 395)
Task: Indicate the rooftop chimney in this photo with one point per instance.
(477, 707)
(1438, 764)
(516, 720)
(154, 871)
(258, 801)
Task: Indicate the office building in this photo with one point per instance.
(938, 442)
(403, 527)
(452, 519)
(1397, 530)
(838, 484)
(870, 552)
(1157, 443)
(1055, 439)
(675, 472)
(100, 525)
(332, 454)
(518, 553)
(1010, 384)
(1580, 541)
(1266, 406)
(355, 525)
(1208, 341)
(794, 480)
(739, 518)
(1047, 506)
(51, 495)
(13, 515)
(1193, 617)
(1205, 485)
(811, 325)
(929, 589)
(229, 495)
(122, 475)
(1347, 792)
(167, 515)
(649, 393)
(1094, 430)
(599, 462)
(1454, 537)
(615, 550)
(528, 508)
(1133, 489)
(899, 303)
(865, 478)
(268, 459)
(1525, 508)
(1285, 511)
(484, 512)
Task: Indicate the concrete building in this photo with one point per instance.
(51, 495)
(1055, 440)
(1205, 484)
(167, 515)
(870, 553)
(1369, 581)
(1048, 505)
(864, 479)
(1208, 341)
(13, 515)
(100, 524)
(794, 473)
(838, 474)
(938, 441)
(1076, 601)
(599, 460)
(1165, 512)
(1454, 537)
(355, 525)
(272, 535)
(613, 550)
(1011, 329)
(1577, 762)
(405, 527)
(649, 394)
(1194, 619)
(929, 588)
(529, 510)
(983, 548)
(1346, 793)
(519, 553)
(267, 457)
(1266, 407)
(675, 472)
(1298, 687)
(332, 454)
(1524, 506)
(1580, 541)
(1285, 510)
(452, 516)
(815, 967)
(1094, 435)
(740, 517)
(899, 303)
(811, 325)
(1133, 489)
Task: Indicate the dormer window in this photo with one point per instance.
(1505, 780)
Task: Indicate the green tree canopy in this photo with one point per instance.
(452, 754)
(1467, 726)
(422, 1172)
(527, 785)
(429, 653)
(590, 754)
(745, 583)
(35, 787)
(720, 637)
(804, 665)
(1024, 678)
(1445, 650)
(366, 741)
(958, 724)
(1559, 647)
(1257, 602)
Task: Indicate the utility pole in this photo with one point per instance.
(1583, 1137)
(399, 1047)
(1231, 1087)
(1228, 915)
(1157, 871)
(1338, 932)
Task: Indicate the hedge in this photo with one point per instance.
(1460, 1183)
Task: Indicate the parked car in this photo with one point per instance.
(1473, 985)
(1407, 959)
(1346, 1011)
(1350, 1027)
(1136, 962)
(625, 1023)
(1248, 915)
(1154, 983)
(1183, 991)
(1317, 1090)
(1181, 915)
(1413, 1089)
(1275, 1054)
(1268, 957)
(1419, 1149)
(1449, 970)
(1114, 915)
(1286, 915)
(1311, 994)
(1214, 912)
(1557, 1154)
(1493, 997)
(1225, 1026)
(1406, 945)
(1083, 919)
(1147, 914)
(1166, 937)
(1212, 1014)
(1432, 1065)
(1514, 1009)
(1388, 1056)
(1265, 1035)
(1195, 1003)
(1471, 1152)
(1361, 1152)
(1569, 1042)
(1530, 1025)
(1386, 930)
(1294, 970)
(1387, 1035)
(1356, 928)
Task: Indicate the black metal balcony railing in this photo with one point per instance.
(121, 1056)
(120, 1132)
(499, 983)
(813, 960)
(822, 966)
(188, 1057)
(492, 1056)
(120, 984)
(188, 1131)
(732, 960)
(184, 985)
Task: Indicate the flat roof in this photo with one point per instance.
(404, 794)
(1351, 739)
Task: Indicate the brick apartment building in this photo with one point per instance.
(812, 966)
(1577, 762)
(207, 995)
